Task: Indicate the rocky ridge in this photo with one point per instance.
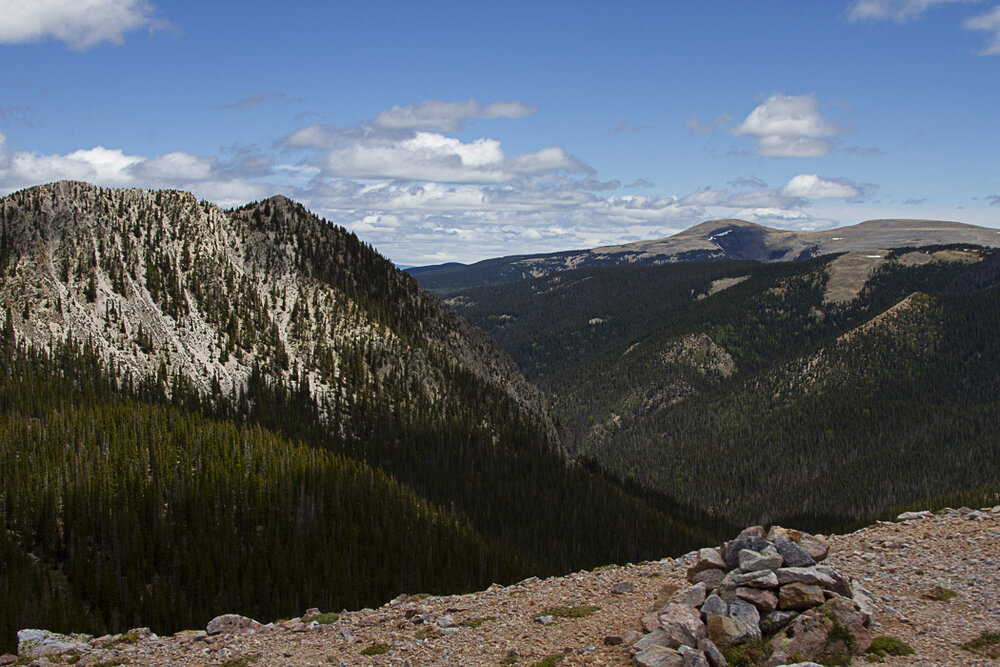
(927, 580)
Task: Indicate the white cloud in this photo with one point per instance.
(789, 126)
(81, 24)
(176, 166)
(95, 165)
(892, 10)
(811, 186)
(447, 116)
(989, 21)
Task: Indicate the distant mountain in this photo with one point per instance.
(712, 240)
(819, 393)
(203, 410)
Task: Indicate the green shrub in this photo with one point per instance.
(568, 612)
(883, 646)
(376, 649)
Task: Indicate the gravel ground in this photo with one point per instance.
(901, 564)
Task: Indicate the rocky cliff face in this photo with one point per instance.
(161, 283)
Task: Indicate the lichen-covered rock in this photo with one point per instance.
(776, 620)
(693, 596)
(707, 559)
(835, 627)
(766, 601)
(793, 554)
(731, 549)
(746, 613)
(714, 606)
(32, 643)
(655, 638)
(725, 631)
(758, 579)
(233, 624)
(712, 653)
(766, 559)
(693, 657)
(658, 656)
(803, 575)
(798, 596)
(683, 625)
(711, 578)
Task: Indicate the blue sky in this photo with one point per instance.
(443, 131)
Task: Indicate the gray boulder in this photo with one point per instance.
(731, 549)
(658, 656)
(233, 624)
(793, 554)
(32, 643)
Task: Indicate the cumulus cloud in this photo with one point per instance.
(640, 183)
(990, 21)
(409, 143)
(81, 24)
(789, 126)
(811, 186)
(899, 11)
(994, 200)
(447, 116)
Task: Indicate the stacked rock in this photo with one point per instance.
(751, 587)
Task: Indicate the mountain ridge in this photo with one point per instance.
(713, 240)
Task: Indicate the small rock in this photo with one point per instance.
(915, 516)
(614, 640)
(725, 631)
(767, 559)
(794, 555)
(707, 559)
(865, 603)
(692, 657)
(546, 619)
(650, 622)
(714, 606)
(655, 638)
(450, 630)
(711, 578)
(758, 579)
(841, 586)
(445, 621)
(658, 656)
(712, 653)
(731, 549)
(7, 659)
(816, 548)
(746, 613)
(623, 588)
(683, 625)
(752, 531)
(776, 620)
(766, 601)
(692, 595)
(802, 575)
(310, 614)
(798, 596)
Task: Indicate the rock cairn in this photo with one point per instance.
(760, 588)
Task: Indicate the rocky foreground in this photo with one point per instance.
(929, 581)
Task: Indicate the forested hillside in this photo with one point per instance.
(205, 411)
(760, 393)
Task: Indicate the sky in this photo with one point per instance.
(457, 131)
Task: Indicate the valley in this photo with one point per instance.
(206, 411)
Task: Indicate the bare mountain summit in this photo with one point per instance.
(711, 240)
